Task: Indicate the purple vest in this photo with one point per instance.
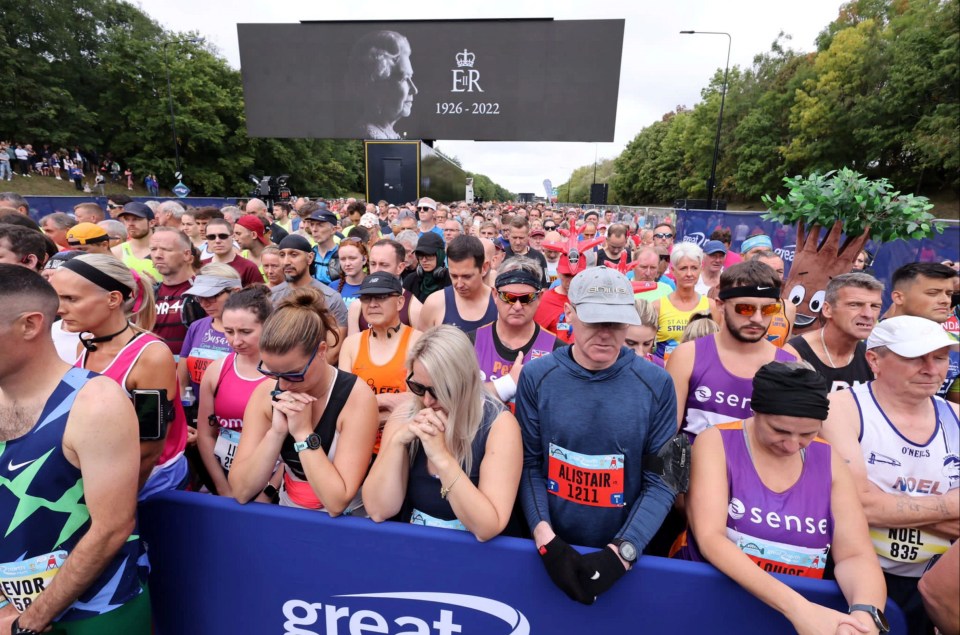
(714, 394)
(787, 533)
(492, 365)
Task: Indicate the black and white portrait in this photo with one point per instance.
(380, 78)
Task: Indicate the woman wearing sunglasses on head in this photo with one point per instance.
(320, 421)
(229, 383)
(452, 456)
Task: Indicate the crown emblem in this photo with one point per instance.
(465, 59)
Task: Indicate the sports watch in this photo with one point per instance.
(878, 617)
(16, 629)
(312, 442)
(626, 549)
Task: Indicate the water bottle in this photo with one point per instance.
(187, 398)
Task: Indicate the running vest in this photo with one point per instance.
(119, 369)
(387, 378)
(495, 358)
(423, 502)
(671, 323)
(43, 515)
(952, 327)
(202, 346)
(779, 328)
(404, 313)
(143, 266)
(856, 373)
(452, 315)
(714, 394)
(296, 489)
(898, 466)
(787, 532)
(230, 397)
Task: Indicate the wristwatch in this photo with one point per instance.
(16, 629)
(878, 617)
(626, 549)
(312, 442)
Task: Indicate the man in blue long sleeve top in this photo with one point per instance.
(589, 413)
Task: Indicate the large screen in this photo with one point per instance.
(486, 80)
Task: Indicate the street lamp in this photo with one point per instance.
(173, 119)
(723, 94)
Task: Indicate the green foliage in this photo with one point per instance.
(577, 187)
(881, 95)
(858, 202)
(486, 189)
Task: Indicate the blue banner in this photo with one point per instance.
(696, 227)
(219, 568)
(40, 206)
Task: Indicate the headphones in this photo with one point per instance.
(439, 272)
(390, 330)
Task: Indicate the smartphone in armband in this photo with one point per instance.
(152, 413)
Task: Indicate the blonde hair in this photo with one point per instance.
(448, 356)
(141, 289)
(220, 270)
(698, 328)
(300, 319)
(648, 315)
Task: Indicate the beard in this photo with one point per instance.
(743, 337)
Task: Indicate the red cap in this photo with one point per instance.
(565, 267)
(254, 224)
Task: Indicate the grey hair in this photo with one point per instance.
(14, 199)
(685, 250)
(114, 228)
(61, 219)
(173, 208)
(851, 280)
(517, 263)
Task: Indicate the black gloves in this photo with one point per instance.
(581, 577)
(601, 569)
(563, 564)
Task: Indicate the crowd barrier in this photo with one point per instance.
(696, 227)
(219, 568)
(40, 206)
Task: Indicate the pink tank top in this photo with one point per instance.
(119, 369)
(232, 393)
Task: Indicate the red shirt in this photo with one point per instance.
(549, 312)
(249, 273)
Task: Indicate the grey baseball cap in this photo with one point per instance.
(210, 286)
(603, 294)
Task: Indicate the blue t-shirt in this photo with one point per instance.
(350, 292)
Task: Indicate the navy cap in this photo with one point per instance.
(323, 216)
(137, 209)
(381, 283)
(714, 247)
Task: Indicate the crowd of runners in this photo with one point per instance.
(500, 369)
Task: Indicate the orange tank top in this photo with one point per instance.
(388, 378)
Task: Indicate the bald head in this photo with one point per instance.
(256, 206)
(489, 251)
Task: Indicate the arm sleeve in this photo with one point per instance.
(656, 498)
(533, 486)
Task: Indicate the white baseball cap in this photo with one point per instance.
(910, 336)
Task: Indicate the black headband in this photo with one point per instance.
(794, 392)
(753, 291)
(518, 276)
(97, 277)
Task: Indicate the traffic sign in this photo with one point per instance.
(181, 190)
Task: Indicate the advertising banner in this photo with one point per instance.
(696, 227)
(488, 80)
(222, 568)
(40, 206)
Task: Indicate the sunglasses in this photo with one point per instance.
(218, 236)
(419, 389)
(522, 298)
(663, 235)
(379, 297)
(291, 377)
(664, 257)
(748, 310)
(549, 228)
(424, 209)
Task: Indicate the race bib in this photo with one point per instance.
(21, 582)
(588, 479)
(422, 518)
(778, 557)
(905, 547)
(226, 447)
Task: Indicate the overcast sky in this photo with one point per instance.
(660, 70)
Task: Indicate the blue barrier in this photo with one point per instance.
(219, 567)
(40, 206)
(696, 226)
